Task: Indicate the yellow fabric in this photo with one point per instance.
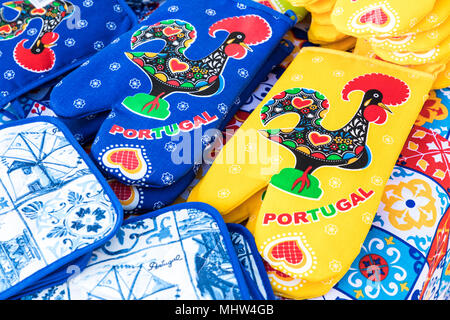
(328, 245)
(416, 42)
(247, 209)
(302, 3)
(441, 52)
(364, 48)
(343, 45)
(368, 17)
(322, 18)
(323, 34)
(320, 6)
(443, 78)
(251, 222)
(439, 13)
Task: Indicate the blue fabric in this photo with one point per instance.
(57, 277)
(141, 199)
(36, 103)
(180, 252)
(251, 262)
(54, 203)
(138, 200)
(134, 144)
(47, 47)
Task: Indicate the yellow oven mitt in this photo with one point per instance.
(323, 34)
(439, 53)
(416, 42)
(323, 142)
(439, 13)
(436, 69)
(320, 6)
(247, 209)
(443, 78)
(322, 18)
(343, 45)
(363, 18)
(302, 3)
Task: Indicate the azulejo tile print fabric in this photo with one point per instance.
(58, 208)
(406, 255)
(252, 264)
(185, 243)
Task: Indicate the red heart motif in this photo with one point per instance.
(169, 31)
(281, 95)
(123, 192)
(5, 29)
(301, 103)
(289, 251)
(40, 11)
(318, 139)
(269, 270)
(176, 65)
(375, 16)
(127, 159)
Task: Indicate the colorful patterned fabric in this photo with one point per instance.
(39, 44)
(181, 253)
(406, 254)
(55, 206)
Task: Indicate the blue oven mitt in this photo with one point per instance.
(252, 264)
(55, 206)
(138, 199)
(39, 43)
(180, 252)
(168, 81)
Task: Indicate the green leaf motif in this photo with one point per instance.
(144, 105)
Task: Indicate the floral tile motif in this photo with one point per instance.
(177, 254)
(386, 268)
(51, 204)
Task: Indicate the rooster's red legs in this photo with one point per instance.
(154, 103)
(303, 179)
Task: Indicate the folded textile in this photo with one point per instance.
(252, 265)
(38, 44)
(55, 205)
(180, 252)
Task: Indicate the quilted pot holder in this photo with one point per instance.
(54, 204)
(252, 265)
(57, 277)
(41, 39)
(179, 252)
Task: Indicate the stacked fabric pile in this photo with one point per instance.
(321, 30)
(224, 150)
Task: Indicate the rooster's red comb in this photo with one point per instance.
(394, 91)
(255, 28)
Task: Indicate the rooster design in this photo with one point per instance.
(171, 71)
(313, 145)
(39, 57)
